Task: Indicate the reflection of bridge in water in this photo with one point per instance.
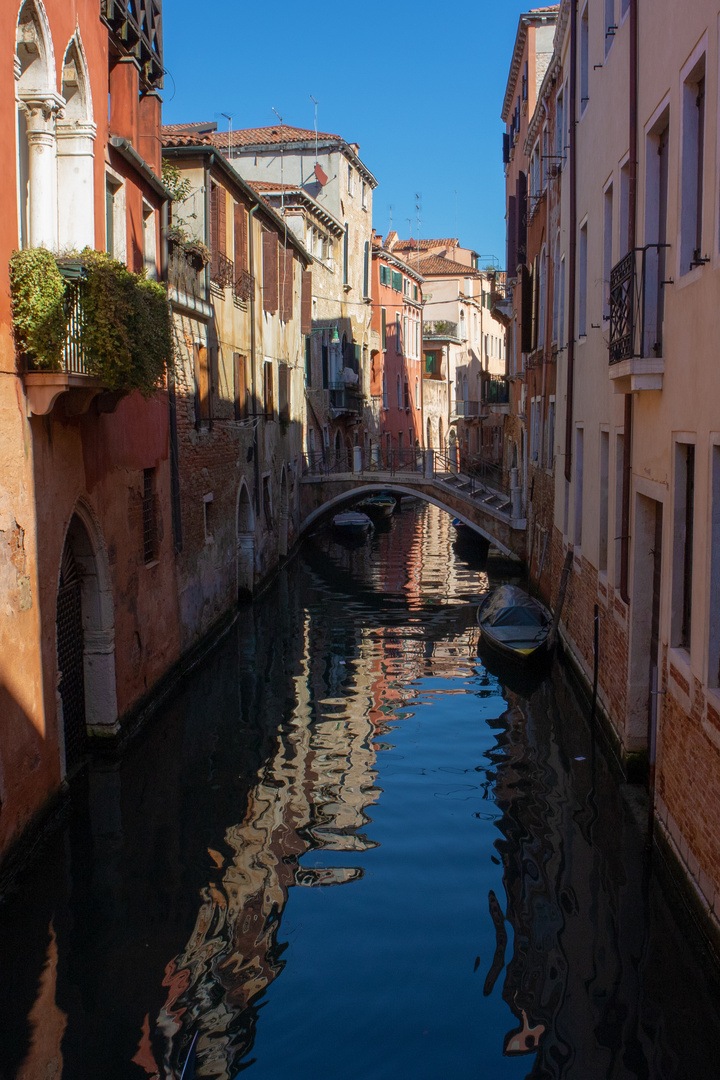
(480, 501)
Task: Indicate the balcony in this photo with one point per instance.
(465, 410)
(43, 388)
(440, 330)
(637, 284)
(222, 270)
(345, 398)
(244, 287)
(495, 390)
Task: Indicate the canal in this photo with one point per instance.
(347, 849)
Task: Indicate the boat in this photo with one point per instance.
(513, 624)
(377, 506)
(352, 523)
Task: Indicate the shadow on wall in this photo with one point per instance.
(27, 775)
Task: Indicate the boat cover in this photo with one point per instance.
(510, 606)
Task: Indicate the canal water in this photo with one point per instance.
(347, 849)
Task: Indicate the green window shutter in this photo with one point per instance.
(397, 281)
(414, 292)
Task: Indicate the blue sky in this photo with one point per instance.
(419, 87)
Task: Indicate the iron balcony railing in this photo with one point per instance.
(74, 357)
(637, 285)
(495, 390)
(345, 396)
(244, 287)
(221, 270)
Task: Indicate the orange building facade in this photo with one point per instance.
(88, 621)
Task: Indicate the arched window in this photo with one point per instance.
(75, 142)
(38, 105)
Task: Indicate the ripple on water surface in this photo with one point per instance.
(347, 849)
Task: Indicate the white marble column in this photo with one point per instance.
(42, 110)
(75, 185)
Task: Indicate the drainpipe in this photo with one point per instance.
(572, 254)
(632, 229)
(251, 259)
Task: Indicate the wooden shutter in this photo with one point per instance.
(269, 405)
(286, 283)
(511, 256)
(270, 271)
(241, 246)
(526, 310)
(284, 391)
(221, 220)
(521, 217)
(241, 386)
(306, 303)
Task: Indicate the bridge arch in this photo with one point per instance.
(421, 492)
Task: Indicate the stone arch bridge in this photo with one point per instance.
(494, 514)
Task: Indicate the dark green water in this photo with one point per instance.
(347, 850)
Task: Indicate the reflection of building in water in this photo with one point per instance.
(561, 841)
(311, 794)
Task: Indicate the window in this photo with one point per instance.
(267, 502)
(284, 392)
(610, 27)
(350, 180)
(582, 281)
(619, 467)
(363, 195)
(623, 246)
(579, 438)
(714, 598)
(270, 271)
(149, 517)
(683, 544)
(384, 391)
(604, 479)
(656, 202)
(203, 388)
(285, 283)
(115, 227)
(535, 429)
(560, 126)
(584, 60)
(399, 393)
(241, 395)
(406, 395)
(383, 321)
(396, 280)
(431, 364)
(149, 241)
(607, 247)
(550, 435)
(693, 148)
(208, 517)
(398, 335)
(346, 256)
(541, 301)
(268, 396)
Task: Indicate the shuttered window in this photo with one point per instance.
(397, 281)
(241, 244)
(383, 315)
(218, 220)
(241, 386)
(306, 303)
(270, 271)
(284, 391)
(286, 283)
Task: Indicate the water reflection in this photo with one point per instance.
(498, 916)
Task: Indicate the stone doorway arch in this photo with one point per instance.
(85, 626)
(245, 544)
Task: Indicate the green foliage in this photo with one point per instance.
(125, 336)
(173, 180)
(127, 333)
(38, 303)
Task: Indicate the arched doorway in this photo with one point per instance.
(245, 544)
(85, 641)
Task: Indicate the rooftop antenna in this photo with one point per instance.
(316, 134)
(282, 160)
(229, 120)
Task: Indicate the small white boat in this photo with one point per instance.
(352, 523)
(514, 624)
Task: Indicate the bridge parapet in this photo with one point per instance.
(491, 510)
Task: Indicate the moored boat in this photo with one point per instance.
(513, 624)
(352, 523)
(377, 506)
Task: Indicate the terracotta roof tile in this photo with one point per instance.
(438, 266)
(424, 245)
(169, 139)
(186, 129)
(267, 135)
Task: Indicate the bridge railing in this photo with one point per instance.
(476, 471)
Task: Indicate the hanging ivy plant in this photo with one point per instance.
(38, 304)
(124, 329)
